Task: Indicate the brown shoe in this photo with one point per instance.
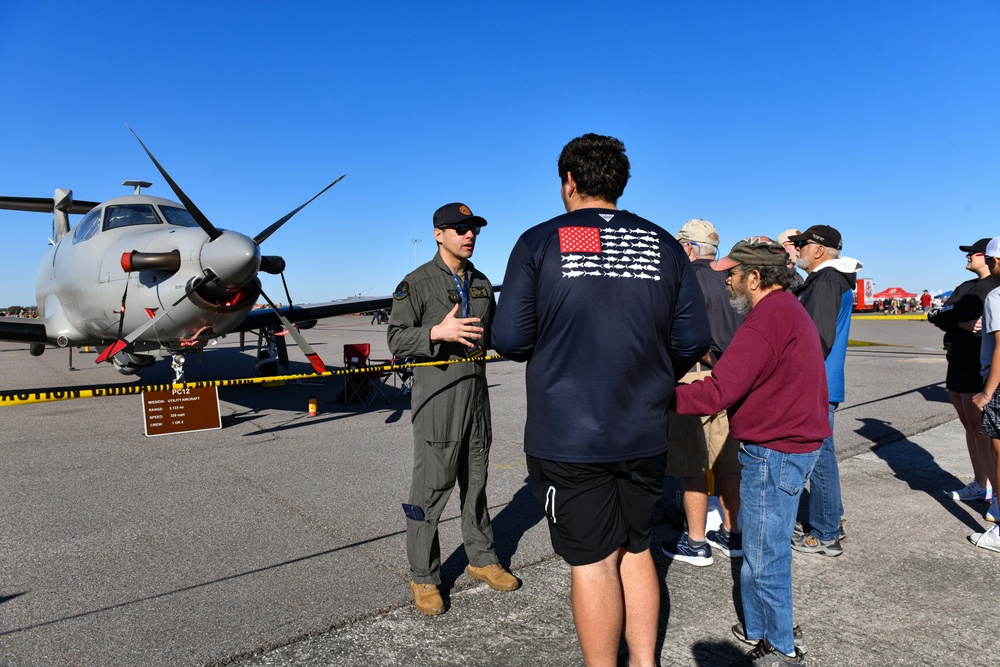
(494, 575)
(427, 598)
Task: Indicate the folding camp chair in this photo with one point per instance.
(405, 376)
(363, 386)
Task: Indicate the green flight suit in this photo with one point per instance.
(450, 409)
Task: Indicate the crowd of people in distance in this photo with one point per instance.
(648, 354)
(898, 306)
(904, 306)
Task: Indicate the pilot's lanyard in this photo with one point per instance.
(463, 292)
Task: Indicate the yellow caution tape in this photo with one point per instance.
(26, 396)
(913, 316)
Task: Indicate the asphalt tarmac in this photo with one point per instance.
(278, 540)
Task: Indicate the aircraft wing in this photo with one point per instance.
(42, 205)
(22, 330)
(265, 317)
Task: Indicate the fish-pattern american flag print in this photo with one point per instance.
(609, 252)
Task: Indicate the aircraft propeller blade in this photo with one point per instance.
(122, 343)
(260, 238)
(311, 355)
(199, 217)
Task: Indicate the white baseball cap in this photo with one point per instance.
(993, 247)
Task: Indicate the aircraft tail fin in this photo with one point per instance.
(61, 205)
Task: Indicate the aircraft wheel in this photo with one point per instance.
(123, 369)
(267, 366)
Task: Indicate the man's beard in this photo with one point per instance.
(802, 263)
(740, 302)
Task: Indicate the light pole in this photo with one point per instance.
(416, 262)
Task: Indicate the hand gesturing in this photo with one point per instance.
(455, 329)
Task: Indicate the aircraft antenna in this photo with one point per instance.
(416, 262)
(137, 185)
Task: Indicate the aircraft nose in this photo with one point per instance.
(233, 258)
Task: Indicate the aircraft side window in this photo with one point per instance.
(127, 215)
(88, 226)
(176, 215)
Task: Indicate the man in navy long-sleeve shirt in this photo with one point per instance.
(604, 307)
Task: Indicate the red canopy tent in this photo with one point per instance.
(893, 293)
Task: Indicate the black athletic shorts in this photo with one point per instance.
(964, 378)
(595, 508)
(991, 417)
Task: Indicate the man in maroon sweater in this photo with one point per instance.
(772, 381)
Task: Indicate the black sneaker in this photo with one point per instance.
(682, 550)
(730, 544)
(765, 655)
(741, 634)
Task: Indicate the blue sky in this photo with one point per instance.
(880, 119)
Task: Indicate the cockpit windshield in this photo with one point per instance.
(87, 227)
(126, 215)
(178, 216)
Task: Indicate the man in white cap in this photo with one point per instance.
(699, 444)
(784, 238)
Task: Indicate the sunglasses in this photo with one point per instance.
(802, 244)
(462, 229)
(974, 254)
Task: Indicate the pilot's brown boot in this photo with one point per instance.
(427, 597)
(494, 575)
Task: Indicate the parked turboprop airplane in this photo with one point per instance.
(138, 273)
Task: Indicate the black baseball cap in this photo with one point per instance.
(455, 214)
(978, 246)
(821, 234)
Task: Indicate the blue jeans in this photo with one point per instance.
(770, 488)
(824, 507)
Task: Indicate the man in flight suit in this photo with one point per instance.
(441, 311)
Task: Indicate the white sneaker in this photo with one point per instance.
(988, 540)
(993, 513)
(971, 491)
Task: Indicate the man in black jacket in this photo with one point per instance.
(827, 296)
